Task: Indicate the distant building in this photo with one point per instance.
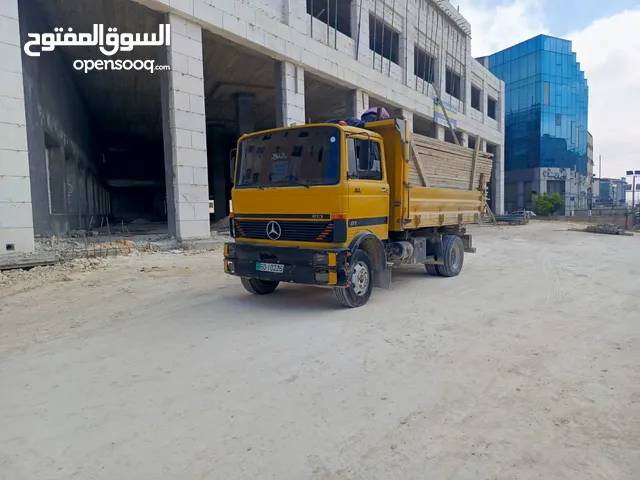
(546, 120)
(610, 191)
(590, 162)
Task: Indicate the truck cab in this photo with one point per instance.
(324, 205)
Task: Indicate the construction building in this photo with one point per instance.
(81, 141)
(546, 121)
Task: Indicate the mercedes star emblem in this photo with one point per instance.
(273, 230)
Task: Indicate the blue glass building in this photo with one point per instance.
(546, 119)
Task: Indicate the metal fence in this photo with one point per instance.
(599, 212)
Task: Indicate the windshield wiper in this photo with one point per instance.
(295, 182)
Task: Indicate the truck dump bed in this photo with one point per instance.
(447, 183)
(434, 183)
(440, 164)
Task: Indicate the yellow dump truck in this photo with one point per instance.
(338, 206)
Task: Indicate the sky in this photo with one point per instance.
(606, 39)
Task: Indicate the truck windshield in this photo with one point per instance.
(297, 156)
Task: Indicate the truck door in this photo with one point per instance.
(368, 187)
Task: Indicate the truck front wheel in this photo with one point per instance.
(361, 277)
(258, 287)
(453, 253)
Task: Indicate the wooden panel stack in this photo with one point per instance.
(439, 164)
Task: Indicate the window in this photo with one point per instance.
(491, 108)
(472, 142)
(383, 40)
(577, 137)
(424, 65)
(558, 120)
(338, 13)
(365, 160)
(547, 94)
(476, 95)
(453, 85)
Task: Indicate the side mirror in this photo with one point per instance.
(232, 164)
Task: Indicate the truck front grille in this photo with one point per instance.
(292, 231)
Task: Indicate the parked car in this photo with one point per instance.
(528, 213)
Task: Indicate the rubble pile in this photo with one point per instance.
(606, 228)
(28, 279)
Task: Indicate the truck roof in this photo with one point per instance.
(345, 128)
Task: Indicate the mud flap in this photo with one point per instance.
(468, 244)
(383, 278)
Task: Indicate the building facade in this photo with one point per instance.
(590, 162)
(546, 121)
(78, 146)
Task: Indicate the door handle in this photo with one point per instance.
(384, 190)
(356, 190)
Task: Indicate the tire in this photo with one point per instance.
(453, 251)
(358, 293)
(432, 269)
(258, 287)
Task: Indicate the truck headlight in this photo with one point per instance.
(229, 250)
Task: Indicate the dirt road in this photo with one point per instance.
(160, 367)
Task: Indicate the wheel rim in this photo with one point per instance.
(360, 278)
(455, 258)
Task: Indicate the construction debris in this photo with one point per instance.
(603, 228)
(21, 279)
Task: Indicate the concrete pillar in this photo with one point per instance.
(440, 132)
(244, 113)
(289, 94)
(497, 193)
(16, 216)
(184, 131)
(295, 15)
(218, 175)
(360, 17)
(357, 103)
(408, 115)
(464, 139)
(441, 70)
(484, 102)
(407, 52)
(466, 80)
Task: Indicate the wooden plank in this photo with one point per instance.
(438, 164)
(474, 163)
(416, 161)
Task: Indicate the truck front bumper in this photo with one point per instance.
(287, 264)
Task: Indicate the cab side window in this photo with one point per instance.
(365, 159)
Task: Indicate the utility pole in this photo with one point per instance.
(599, 167)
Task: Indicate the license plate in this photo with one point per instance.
(270, 267)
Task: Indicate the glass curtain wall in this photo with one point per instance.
(545, 105)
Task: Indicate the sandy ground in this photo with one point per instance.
(158, 366)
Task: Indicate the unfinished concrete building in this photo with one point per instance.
(78, 146)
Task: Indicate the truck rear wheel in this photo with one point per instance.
(361, 276)
(432, 269)
(453, 252)
(258, 287)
